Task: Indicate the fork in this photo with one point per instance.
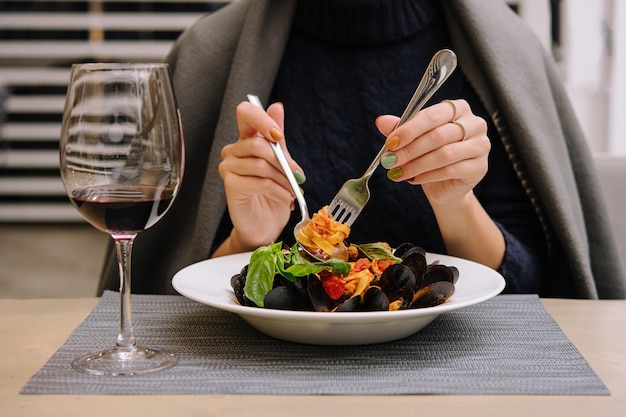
(354, 193)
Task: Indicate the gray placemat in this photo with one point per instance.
(507, 345)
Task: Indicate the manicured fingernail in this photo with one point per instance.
(394, 173)
(300, 177)
(276, 134)
(388, 160)
(301, 190)
(392, 142)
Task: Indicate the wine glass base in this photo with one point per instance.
(117, 361)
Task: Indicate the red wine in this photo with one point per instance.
(122, 209)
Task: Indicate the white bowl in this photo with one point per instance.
(208, 282)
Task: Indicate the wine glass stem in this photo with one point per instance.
(124, 247)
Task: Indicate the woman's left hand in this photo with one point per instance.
(444, 148)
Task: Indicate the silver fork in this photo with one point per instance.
(354, 193)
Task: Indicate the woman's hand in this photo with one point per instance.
(258, 194)
(444, 148)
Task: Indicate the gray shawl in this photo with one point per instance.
(237, 51)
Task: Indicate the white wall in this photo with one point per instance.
(536, 13)
(585, 64)
(592, 59)
(617, 96)
(593, 54)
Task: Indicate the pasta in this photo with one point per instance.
(323, 233)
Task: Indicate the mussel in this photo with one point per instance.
(432, 294)
(439, 272)
(238, 282)
(374, 299)
(320, 300)
(286, 297)
(401, 299)
(415, 258)
(396, 276)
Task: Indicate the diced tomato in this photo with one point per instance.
(384, 264)
(333, 284)
(360, 265)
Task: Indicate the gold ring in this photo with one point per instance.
(453, 108)
(456, 122)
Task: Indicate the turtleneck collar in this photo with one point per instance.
(363, 21)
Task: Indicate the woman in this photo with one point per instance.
(499, 186)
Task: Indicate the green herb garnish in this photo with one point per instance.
(267, 261)
(376, 250)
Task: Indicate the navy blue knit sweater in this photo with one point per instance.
(349, 61)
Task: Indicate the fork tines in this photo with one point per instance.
(342, 212)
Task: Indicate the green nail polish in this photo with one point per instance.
(300, 177)
(388, 160)
(394, 173)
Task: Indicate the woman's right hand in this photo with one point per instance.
(258, 194)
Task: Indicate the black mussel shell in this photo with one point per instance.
(412, 250)
(238, 282)
(405, 295)
(280, 280)
(375, 299)
(415, 259)
(396, 276)
(437, 272)
(352, 304)
(403, 248)
(455, 273)
(320, 300)
(285, 297)
(301, 284)
(433, 294)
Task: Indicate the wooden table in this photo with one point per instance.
(32, 330)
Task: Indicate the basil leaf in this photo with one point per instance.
(376, 250)
(337, 266)
(264, 264)
(294, 255)
(304, 268)
(301, 270)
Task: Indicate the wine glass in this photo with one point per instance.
(122, 163)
